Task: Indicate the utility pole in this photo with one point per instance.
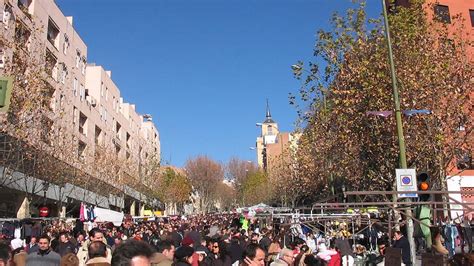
(401, 138)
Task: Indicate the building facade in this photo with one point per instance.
(273, 146)
(85, 103)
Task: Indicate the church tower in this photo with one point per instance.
(269, 133)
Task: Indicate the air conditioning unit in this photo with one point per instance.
(91, 101)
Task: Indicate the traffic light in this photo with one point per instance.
(5, 93)
(423, 180)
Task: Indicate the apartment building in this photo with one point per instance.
(84, 100)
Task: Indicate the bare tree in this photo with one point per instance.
(204, 174)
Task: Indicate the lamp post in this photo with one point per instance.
(398, 117)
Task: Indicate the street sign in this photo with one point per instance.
(406, 181)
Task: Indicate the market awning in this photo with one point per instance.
(106, 215)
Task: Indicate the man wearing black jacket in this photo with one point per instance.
(65, 246)
(402, 243)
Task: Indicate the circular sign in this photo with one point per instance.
(406, 180)
(44, 211)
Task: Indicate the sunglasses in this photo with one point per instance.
(215, 246)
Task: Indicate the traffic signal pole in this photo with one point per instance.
(401, 138)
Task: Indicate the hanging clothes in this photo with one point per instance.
(81, 213)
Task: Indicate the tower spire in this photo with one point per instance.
(268, 115)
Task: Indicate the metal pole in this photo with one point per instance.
(401, 138)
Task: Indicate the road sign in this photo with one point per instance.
(406, 181)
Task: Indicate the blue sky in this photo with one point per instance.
(204, 69)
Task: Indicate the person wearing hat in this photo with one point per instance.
(285, 257)
(188, 241)
(184, 256)
(202, 258)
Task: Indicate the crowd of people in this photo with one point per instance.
(217, 240)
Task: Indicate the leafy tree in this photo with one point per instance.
(238, 170)
(174, 189)
(350, 77)
(256, 188)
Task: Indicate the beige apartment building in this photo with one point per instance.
(87, 103)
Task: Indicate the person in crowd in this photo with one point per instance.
(44, 256)
(176, 236)
(254, 255)
(194, 235)
(304, 250)
(65, 246)
(188, 241)
(335, 259)
(109, 238)
(132, 253)
(4, 254)
(235, 249)
(80, 239)
(97, 253)
(184, 256)
(69, 259)
(274, 249)
(324, 253)
(32, 246)
(164, 255)
(220, 257)
(265, 241)
(19, 254)
(345, 250)
(285, 257)
(311, 260)
(94, 235)
(402, 243)
(203, 258)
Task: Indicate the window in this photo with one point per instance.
(62, 100)
(82, 93)
(471, 14)
(46, 129)
(83, 124)
(270, 130)
(52, 65)
(22, 35)
(53, 33)
(128, 140)
(7, 15)
(106, 93)
(2, 57)
(442, 13)
(118, 130)
(83, 65)
(105, 115)
(63, 73)
(113, 103)
(75, 86)
(102, 89)
(98, 135)
(65, 44)
(78, 58)
(75, 115)
(81, 150)
(24, 5)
